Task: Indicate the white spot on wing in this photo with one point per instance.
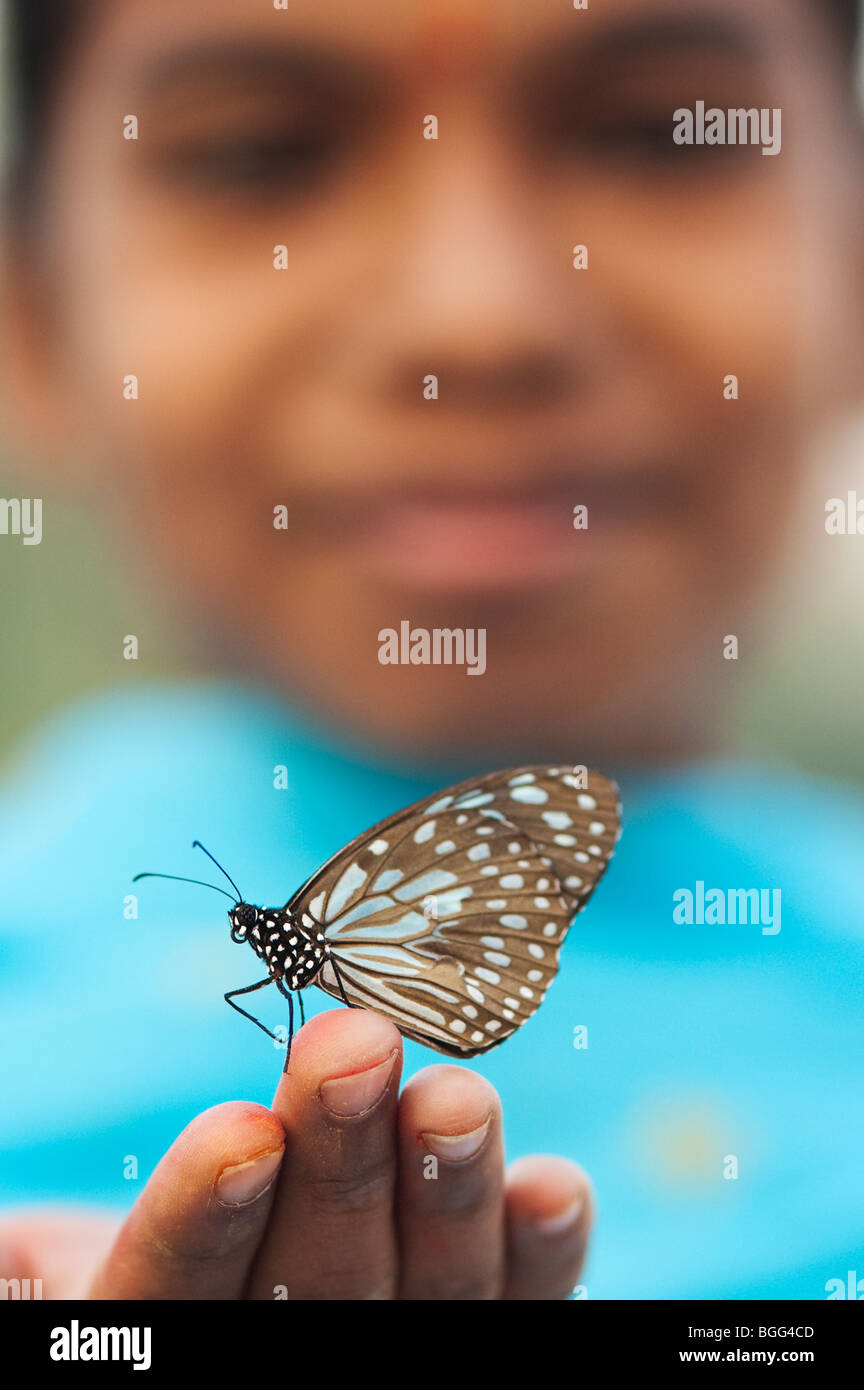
(353, 878)
(488, 975)
(365, 908)
(475, 799)
(452, 900)
(531, 796)
(432, 882)
(497, 958)
(388, 879)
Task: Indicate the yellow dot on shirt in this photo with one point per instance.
(682, 1141)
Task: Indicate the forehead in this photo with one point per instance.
(437, 37)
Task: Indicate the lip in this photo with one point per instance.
(471, 543)
(473, 540)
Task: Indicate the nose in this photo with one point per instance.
(474, 289)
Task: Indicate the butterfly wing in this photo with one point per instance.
(449, 916)
(573, 817)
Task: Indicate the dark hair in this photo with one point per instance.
(42, 34)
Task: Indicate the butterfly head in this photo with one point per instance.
(243, 917)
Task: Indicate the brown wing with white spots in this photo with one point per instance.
(449, 916)
(573, 816)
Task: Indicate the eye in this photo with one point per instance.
(253, 164)
(243, 919)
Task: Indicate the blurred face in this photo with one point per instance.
(450, 503)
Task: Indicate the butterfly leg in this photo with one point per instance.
(248, 989)
(340, 984)
(321, 928)
(302, 1008)
(286, 994)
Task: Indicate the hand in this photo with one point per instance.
(342, 1191)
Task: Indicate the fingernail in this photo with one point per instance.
(352, 1095)
(557, 1225)
(243, 1182)
(455, 1148)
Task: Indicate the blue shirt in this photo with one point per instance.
(666, 1058)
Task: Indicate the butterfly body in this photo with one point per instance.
(292, 952)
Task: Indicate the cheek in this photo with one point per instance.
(760, 282)
(713, 295)
(731, 330)
(225, 350)
(189, 299)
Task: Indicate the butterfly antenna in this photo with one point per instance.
(178, 879)
(196, 844)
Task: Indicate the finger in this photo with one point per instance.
(195, 1228)
(451, 1192)
(331, 1233)
(58, 1250)
(549, 1214)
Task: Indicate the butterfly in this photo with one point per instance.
(447, 917)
